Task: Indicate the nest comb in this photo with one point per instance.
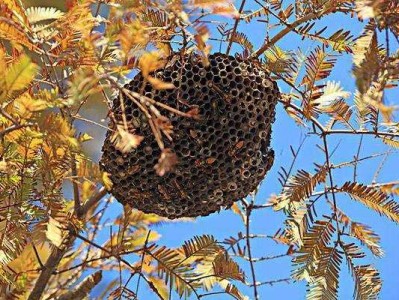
(222, 157)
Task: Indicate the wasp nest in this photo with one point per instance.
(222, 156)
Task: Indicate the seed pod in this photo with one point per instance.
(216, 163)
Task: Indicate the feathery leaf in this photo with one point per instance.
(300, 186)
(373, 198)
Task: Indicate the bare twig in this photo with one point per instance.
(248, 211)
(273, 282)
(288, 28)
(263, 258)
(13, 128)
(105, 250)
(211, 294)
(234, 30)
(142, 260)
(356, 160)
(326, 152)
(37, 255)
(76, 196)
(364, 132)
(380, 166)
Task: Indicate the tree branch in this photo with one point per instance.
(58, 253)
(285, 31)
(50, 265)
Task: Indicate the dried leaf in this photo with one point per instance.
(166, 162)
(39, 14)
(373, 198)
(56, 232)
(125, 141)
(158, 84)
(299, 187)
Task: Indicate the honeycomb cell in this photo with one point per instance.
(221, 158)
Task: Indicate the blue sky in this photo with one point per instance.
(285, 134)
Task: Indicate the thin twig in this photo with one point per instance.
(272, 282)
(357, 158)
(326, 152)
(288, 28)
(13, 128)
(51, 264)
(300, 110)
(76, 196)
(380, 166)
(248, 211)
(105, 250)
(236, 22)
(142, 260)
(94, 199)
(80, 118)
(263, 258)
(364, 132)
(37, 255)
(213, 294)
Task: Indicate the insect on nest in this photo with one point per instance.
(221, 156)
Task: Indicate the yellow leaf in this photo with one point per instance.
(27, 259)
(160, 286)
(159, 84)
(151, 61)
(37, 105)
(236, 209)
(87, 189)
(132, 35)
(18, 76)
(16, 9)
(59, 129)
(331, 93)
(3, 165)
(137, 239)
(60, 151)
(107, 180)
(55, 232)
(25, 105)
(3, 64)
(85, 137)
(391, 142)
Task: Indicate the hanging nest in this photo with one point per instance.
(221, 156)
